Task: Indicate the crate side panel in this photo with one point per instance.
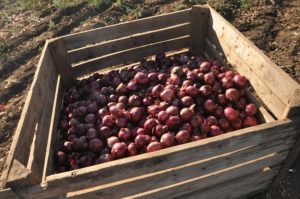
(223, 34)
(130, 55)
(186, 172)
(129, 41)
(38, 148)
(164, 159)
(221, 176)
(82, 39)
(238, 187)
(31, 118)
(53, 138)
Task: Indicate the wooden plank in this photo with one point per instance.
(20, 176)
(130, 41)
(8, 194)
(236, 188)
(63, 65)
(225, 34)
(38, 148)
(53, 134)
(198, 29)
(152, 162)
(133, 55)
(294, 153)
(293, 108)
(173, 175)
(221, 176)
(82, 39)
(212, 53)
(273, 102)
(31, 113)
(125, 66)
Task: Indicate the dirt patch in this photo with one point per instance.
(273, 25)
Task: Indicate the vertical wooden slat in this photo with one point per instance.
(53, 134)
(198, 29)
(31, 114)
(59, 52)
(38, 148)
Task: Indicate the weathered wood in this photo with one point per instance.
(8, 194)
(38, 148)
(263, 114)
(273, 102)
(63, 65)
(173, 175)
(225, 34)
(20, 176)
(53, 134)
(293, 108)
(294, 153)
(211, 179)
(130, 41)
(31, 114)
(163, 159)
(82, 39)
(133, 55)
(198, 29)
(236, 188)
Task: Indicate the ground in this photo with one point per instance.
(273, 25)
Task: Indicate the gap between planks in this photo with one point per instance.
(124, 43)
(81, 39)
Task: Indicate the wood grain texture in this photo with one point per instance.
(130, 41)
(8, 194)
(31, 114)
(82, 39)
(132, 55)
(294, 153)
(236, 44)
(178, 174)
(38, 151)
(20, 176)
(211, 179)
(63, 65)
(236, 188)
(293, 108)
(272, 101)
(198, 29)
(152, 162)
(52, 139)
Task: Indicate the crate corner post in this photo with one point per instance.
(59, 54)
(198, 29)
(293, 112)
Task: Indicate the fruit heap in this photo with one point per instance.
(154, 105)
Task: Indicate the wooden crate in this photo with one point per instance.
(231, 165)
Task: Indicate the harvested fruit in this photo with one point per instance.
(149, 107)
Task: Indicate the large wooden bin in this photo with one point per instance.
(231, 165)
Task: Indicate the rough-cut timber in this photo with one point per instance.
(232, 165)
(32, 120)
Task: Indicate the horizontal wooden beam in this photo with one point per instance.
(130, 41)
(79, 40)
(132, 55)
